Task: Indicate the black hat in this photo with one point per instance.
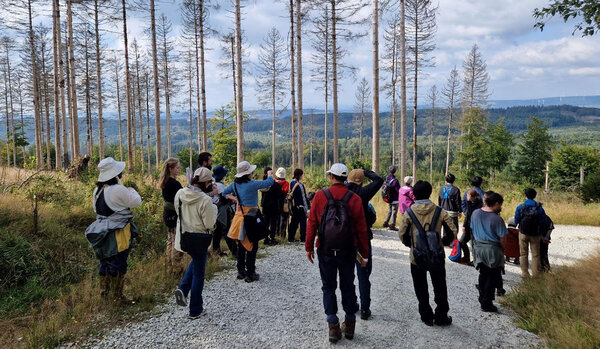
(219, 172)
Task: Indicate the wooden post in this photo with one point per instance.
(581, 175)
(546, 188)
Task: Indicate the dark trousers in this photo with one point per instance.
(464, 239)
(364, 284)
(298, 218)
(193, 282)
(440, 291)
(115, 265)
(283, 223)
(220, 233)
(246, 260)
(489, 280)
(544, 262)
(330, 267)
(272, 219)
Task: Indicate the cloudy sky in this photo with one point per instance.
(522, 62)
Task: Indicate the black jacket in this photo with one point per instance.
(272, 199)
(449, 198)
(367, 192)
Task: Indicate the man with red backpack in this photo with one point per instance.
(338, 218)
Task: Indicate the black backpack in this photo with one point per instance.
(386, 191)
(428, 253)
(336, 236)
(531, 220)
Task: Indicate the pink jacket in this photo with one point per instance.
(405, 198)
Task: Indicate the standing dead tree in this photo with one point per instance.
(450, 93)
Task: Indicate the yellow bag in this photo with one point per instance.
(123, 237)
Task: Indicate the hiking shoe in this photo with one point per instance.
(335, 333)
(385, 225)
(443, 322)
(241, 275)
(489, 308)
(194, 317)
(365, 314)
(252, 277)
(428, 322)
(180, 298)
(393, 228)
(348, 329)
(500, 292)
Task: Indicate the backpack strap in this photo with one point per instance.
(417, 224)
(328, 196)
(239, 198)
(436, 217)
(348, 196)
(180, 222)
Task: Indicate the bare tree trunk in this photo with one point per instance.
(299, 81)
(360, 131)
(191, 92)
(375, 160)
(35, 90)
(203, 79)
(88, 108)
(8, 158)
(432, 125)
(12, 109)
(198, 89)
(61, 84)
(128, 91)
(167, 91)
(72, 83)
(273, 96)
(99, 81)
(139, 100)
(156, 93)
(335, 82)
(402, 90)
(233, 76)
(326, 87)
(55, 82)
(119, 109)
(415, 90)
(132, 113)
(46, 106)
(147, 87)
(293, 86)
(239, 107)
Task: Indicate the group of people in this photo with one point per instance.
(337, 224)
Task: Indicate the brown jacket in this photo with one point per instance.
(424, 213)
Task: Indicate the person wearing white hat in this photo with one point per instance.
(112, 233)
(197, 216)
(284, 211)
(247, 189)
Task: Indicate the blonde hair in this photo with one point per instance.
(165, 172)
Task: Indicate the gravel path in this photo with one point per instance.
(284, 309)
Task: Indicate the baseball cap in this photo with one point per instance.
(339, 170)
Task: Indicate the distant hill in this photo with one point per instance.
(579, 101)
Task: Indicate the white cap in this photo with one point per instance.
(109, 169)
(339, 170)
(408, 180)
(244, 168)
(280, 172)
(203, 174)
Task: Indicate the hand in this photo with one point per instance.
(310, 255)
(364, 262)
(270, 173)
(215, 191)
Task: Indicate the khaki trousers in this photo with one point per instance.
(174, 257)
(526, 242)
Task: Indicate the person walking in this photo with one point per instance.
(426, 212)
(393, 186)
(246, 198)
(337, 217)
(475, 185)
(530, 217)
(271, 202)
(170, 186)
(300, 205)
(197, 216)
(284, 213)
(356, 179)
(225, 213)
(449, 200)
(488, 248)
(111, 234)
(405, 195)
(474, 202)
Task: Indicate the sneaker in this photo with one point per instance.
(365, 314)
(180, 298)
(194, 317)
(489, 308)
(444, 322)
(335, 333)
(241, 275)
(500, 292)
(428, 322)
(385, 225)
(252, 277)
(393, 228)
(348, 329)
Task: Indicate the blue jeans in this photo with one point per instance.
(329, 268)
(364, 285)
(193, 280)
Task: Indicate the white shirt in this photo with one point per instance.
(119, 198)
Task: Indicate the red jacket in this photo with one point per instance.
(361, 239)
(285, 185)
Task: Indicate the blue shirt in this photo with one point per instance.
(528, 202)
(249, 191)
(464, 200)
(487, 226)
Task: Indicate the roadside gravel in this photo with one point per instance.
(284, 309)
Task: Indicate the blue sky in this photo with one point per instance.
(522, 62)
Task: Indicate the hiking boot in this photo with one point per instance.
(180, 298)
(365, 314)
(428, 322)
(348, 329)
(489, 308)
(335, 333)
(385, 225)
(393, 228)
(105, 285)
(500, 292)
(252, 277)
(443, 322)
(241, 275)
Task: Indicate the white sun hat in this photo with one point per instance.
(244, 168)
(339, 170)
(280, 173)
(109, 168)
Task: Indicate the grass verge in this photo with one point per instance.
(562, 307)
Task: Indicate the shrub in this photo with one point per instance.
(590, 190)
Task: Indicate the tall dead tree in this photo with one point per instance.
(375, 53)
(156, 92)
(202, 32)
(271, 76)
(55, 87)
(475, 92)
(72, 84)
(450, 93)
(403, 150)
(391, 65)
(99, 80)
(361, 96)
(293, 85)
(421, 29)
(9, 44)
(42, 40)
(128, 91)
(433, 95)
(239, 103)
(139, 98)
(299, 82)
(117, 68)
(166, 46)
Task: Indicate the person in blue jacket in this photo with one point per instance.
(530, 217)
(476, 185)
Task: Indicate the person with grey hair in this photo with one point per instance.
(393, 186)
(405, 195)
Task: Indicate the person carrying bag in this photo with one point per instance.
(197, 216)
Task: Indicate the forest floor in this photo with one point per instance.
(284, 309)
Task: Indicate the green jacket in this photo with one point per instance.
(101, 233)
